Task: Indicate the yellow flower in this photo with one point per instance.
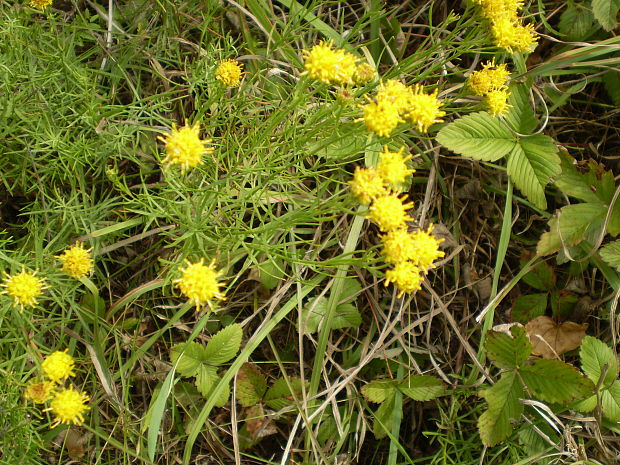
(40, 4)
(497, 102)
(329, 66)
(426, 249)
(406, 276)
(76, 261)
(69, 406)
(199, 283)
(58, 366)
(392, 166)
(491, 77)
(424, 109)
(398, 246)
(364, 73)
(367, 185)
(381, 117)
(24, 287)
(495, 9)
(184, 147)
(229, 73)
(512, 36)
(395, 93)
(39, 391)
(389, 212)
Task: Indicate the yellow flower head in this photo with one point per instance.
(497, 102)
(491, 77)
(229, 73)
(513, 36)
(364, 73)
(398, 246)
(199, 283)
(406, 276)
(24, 287)
(69, 406)
(426, 249)
(184, 147)
(389, 212)
(496, 9)
(367, 185)
(395, 93)
(381, 117)
(58, 366)
(39, 391)
(40, 4)
(424, 109)
(392, 166)
(76, 261)
(329, 66)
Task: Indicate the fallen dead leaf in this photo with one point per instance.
(550, 340)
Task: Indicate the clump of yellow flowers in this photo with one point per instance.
(332, 66)
(411, 254)
(507, 29)
(491, 83)
(67, 404)
(199, 283)
(24, 287)
(40, 4)
(229, 73)
(76, 261)
(184, 147)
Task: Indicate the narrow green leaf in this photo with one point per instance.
(478, 136)
(157, 408)
(610, 402)
(280, 395)
(606, 12)
(224, 345)
(422, 387)
(610, 253)
(251, 385)
(520, 116)
(378, 390)
(596, 358)
(508, 352)
(531, 164)
(527, 307)
(187, 356)
(555, 381)
(494, 425)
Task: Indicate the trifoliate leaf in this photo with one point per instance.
(206, 377)
(610, 402)
(610, 253)
(494, 425)
(379, 390)
(279, 395)
(596, 358)
(479, 136)
(508, 352)
(555, 381)
(527, 307)
(531, 164)
(383, 417)
(190, 355)
(251, 385)
(520, 115)
(606, 12)
(224, 345)
(422, 387)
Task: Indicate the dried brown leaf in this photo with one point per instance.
(550, 340)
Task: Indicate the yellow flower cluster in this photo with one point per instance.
(331, 66)
(76, 261)
(491, 82)
(40, 4)
(24, 287)
(411, 253)
(229, 73)
(395, 103)
(184, 147)
(506, 27)
(67, 404)
(199, 283)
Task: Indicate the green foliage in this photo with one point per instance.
(251, 385)
(611, 254)
(503, 407)
(346, 316)
(508, 352)
(576, 22)
(282, 393)
(606, 12)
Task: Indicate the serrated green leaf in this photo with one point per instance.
(251, 385)
(279, 395)
(494, 425)
(563, 304)
(610, 402)
(541, 277)
(576, 22)
(594, 184)
(224, 345)
(508, 352)
(528, 307)
(531, 164)
(606, 12)
(206, 377)
(596, 358)
(610, 253)
(520, 115)
(379, 390)
(555, 381)
(223, 395)
(346, 316)
(188, 356)
(574, 221)
(351, 288)
(422, 387)
(478, 136)
(586, 405)
(383, 416)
